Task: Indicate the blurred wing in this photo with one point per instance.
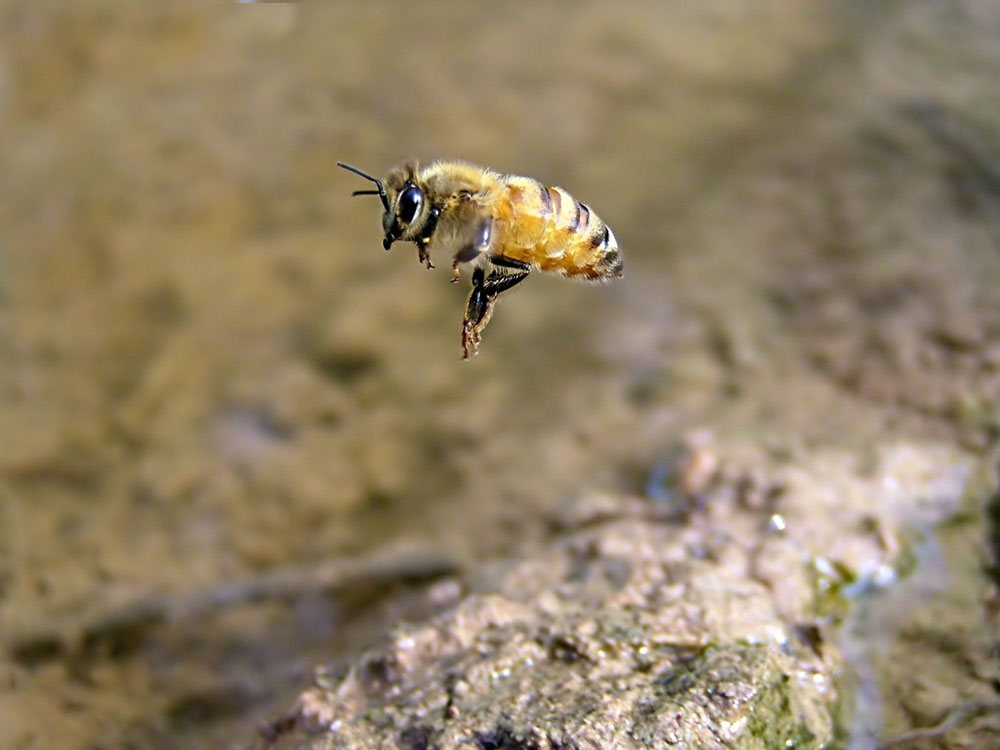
(466, 231)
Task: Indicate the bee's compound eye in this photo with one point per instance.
(410, 201)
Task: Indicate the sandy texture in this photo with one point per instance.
(639, 626)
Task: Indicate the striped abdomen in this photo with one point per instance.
(551, 230)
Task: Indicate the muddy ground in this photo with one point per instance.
(238, 437)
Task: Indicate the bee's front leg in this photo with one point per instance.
(425, 237)
(423, 254)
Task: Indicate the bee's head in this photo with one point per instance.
(404, 203)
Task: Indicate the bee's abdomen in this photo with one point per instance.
(569, 238)
(579, 242)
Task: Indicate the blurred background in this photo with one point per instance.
(210, 370)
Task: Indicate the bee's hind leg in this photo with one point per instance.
(501, 260)
(479, 308)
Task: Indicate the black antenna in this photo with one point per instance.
(378, 183)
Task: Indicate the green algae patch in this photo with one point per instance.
(744, 697)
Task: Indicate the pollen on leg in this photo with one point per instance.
(470, 340)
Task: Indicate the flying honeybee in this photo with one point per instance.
(500, 227)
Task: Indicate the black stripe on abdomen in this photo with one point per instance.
(600, 239)
(546, 199)
(576, 216)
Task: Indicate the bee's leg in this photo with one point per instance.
(483, 297)
(465, 255)
(425, 237)
(479, 309)
(475, 309)
(423, 254)
(500, 260)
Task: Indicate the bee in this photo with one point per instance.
(498, 227)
